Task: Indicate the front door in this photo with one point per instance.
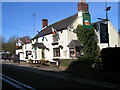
(56, 52)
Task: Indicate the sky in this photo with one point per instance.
(17, 17)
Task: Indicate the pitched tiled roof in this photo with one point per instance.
(39, 45)
(74, 43)
(60, 25)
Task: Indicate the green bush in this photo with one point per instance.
(44, 61)
(30, 60)
(110, 58)
(82, 66)
(87, 37)
(84, 59)
(82, 62)
(65, 62)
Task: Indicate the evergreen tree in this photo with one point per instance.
(87, 37)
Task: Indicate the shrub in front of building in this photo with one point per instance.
(91, 51)
(82, 62)
(65, 62)
(89, 39)
(82, 67)
(30, 61)
(44, 62)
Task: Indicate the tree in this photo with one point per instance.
(2, 42)
(9, 46)
(87, 37)
(13, 39)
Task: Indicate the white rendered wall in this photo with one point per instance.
(113, 36)
(65, 38)
(21, 54)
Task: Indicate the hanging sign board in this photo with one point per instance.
(103, 33)
(86, 20)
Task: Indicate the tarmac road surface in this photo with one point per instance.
(37, 80)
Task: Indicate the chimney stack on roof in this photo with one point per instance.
(83, 1)
(82, 6)
(44, 23)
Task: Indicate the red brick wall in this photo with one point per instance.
(44, 23)
(82, 6)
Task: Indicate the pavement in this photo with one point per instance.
(26, 64)
(54, 71)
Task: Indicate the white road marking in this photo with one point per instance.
(11, 83)
(15, 83)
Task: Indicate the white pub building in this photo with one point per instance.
(65, 44)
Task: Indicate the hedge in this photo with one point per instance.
(111, 59)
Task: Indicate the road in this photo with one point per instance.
(7, 85)
(37, 80)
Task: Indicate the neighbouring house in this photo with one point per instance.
(59, 40)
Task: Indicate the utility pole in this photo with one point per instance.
(106, 19)
(107, 9)
(34, 28)
(107, 22)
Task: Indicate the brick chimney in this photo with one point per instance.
(44, 23)
(82, 6)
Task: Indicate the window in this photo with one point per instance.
(35, 53)
(43, 53)
(71, 48)
(72, 52)
(26, 55)
(56, 52)
(78, 48)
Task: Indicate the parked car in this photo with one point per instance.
(6, 58)
(15, 58)
(5, 55)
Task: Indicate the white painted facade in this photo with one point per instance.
(66, 36)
